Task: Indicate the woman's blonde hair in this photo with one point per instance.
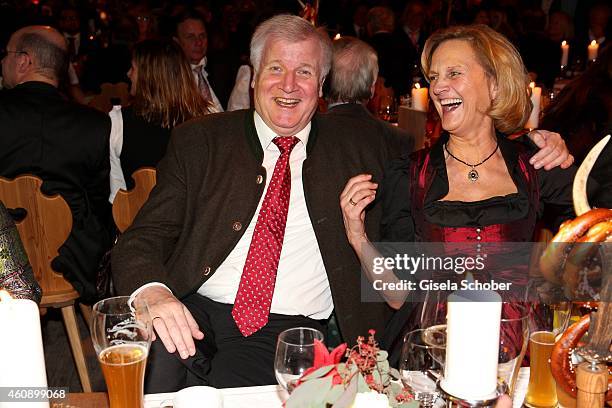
(501, 61)
(166, 91)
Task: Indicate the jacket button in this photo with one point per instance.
(259, 179)
(207, 270)
(236, 226)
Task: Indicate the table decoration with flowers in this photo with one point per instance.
(363, 379)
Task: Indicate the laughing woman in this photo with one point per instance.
(474, 185)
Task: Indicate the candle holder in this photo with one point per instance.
(456, 402)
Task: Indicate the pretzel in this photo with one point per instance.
(561, 358)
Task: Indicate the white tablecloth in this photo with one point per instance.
(267, 396)
(272, 396)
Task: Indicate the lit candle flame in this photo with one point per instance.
(563, 43)
(4, 295)
(337, 37)
(417, 86)
(593, 43)
(532, 85)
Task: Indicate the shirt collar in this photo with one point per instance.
(266, 134)
(202, 63)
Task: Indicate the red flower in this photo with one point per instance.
(322, 358)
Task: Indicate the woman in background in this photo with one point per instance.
(164, 95)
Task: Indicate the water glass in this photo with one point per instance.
(295, 352)
(121, 334)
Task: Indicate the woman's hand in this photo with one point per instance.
(358, 193)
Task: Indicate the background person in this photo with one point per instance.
(164, 96)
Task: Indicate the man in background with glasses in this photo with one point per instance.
(63, 143)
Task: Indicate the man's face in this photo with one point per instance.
(10, 63)
(69, 21)
(191, 36)
(287, 85)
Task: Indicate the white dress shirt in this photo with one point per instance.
(117, 181)
(240, 97)
(202, 65)
(302, 287)
(77, 41)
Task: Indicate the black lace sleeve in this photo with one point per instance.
(397, 224)
(16, 274)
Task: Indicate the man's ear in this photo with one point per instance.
(321, 86)
(24, 63)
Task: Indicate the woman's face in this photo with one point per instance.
(460, 89)
(133, 75)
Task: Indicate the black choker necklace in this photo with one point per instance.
(472, 174)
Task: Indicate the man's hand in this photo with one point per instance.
(553, 151)
(172, 321)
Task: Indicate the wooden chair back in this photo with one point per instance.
(118, 92)
(44, 229)
(128, 203)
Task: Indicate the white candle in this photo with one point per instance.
(564, 53)
(21, 349)
(472, 344)
(536, 96)
(420, 99)
(593, 48)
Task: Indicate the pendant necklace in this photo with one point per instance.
(472, 174)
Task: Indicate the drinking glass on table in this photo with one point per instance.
(295, 352)
(513, 342)
(546, 322)
(419, 364)
(121, 335)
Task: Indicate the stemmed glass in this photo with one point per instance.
(513, 339)
(121, 334)
(295, 352)
(420, 360)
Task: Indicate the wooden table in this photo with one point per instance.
(83, 400)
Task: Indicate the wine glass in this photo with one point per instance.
(419, 364)
(121, 333)
(513, 340)
(295, 352)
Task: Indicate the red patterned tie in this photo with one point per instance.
(254, 297)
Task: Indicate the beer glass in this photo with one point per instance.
(545, 323)
(121, 334)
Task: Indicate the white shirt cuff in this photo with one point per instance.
(143, 287)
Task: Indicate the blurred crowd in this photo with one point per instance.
(101, 33)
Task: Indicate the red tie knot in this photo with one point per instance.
(285, 143)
